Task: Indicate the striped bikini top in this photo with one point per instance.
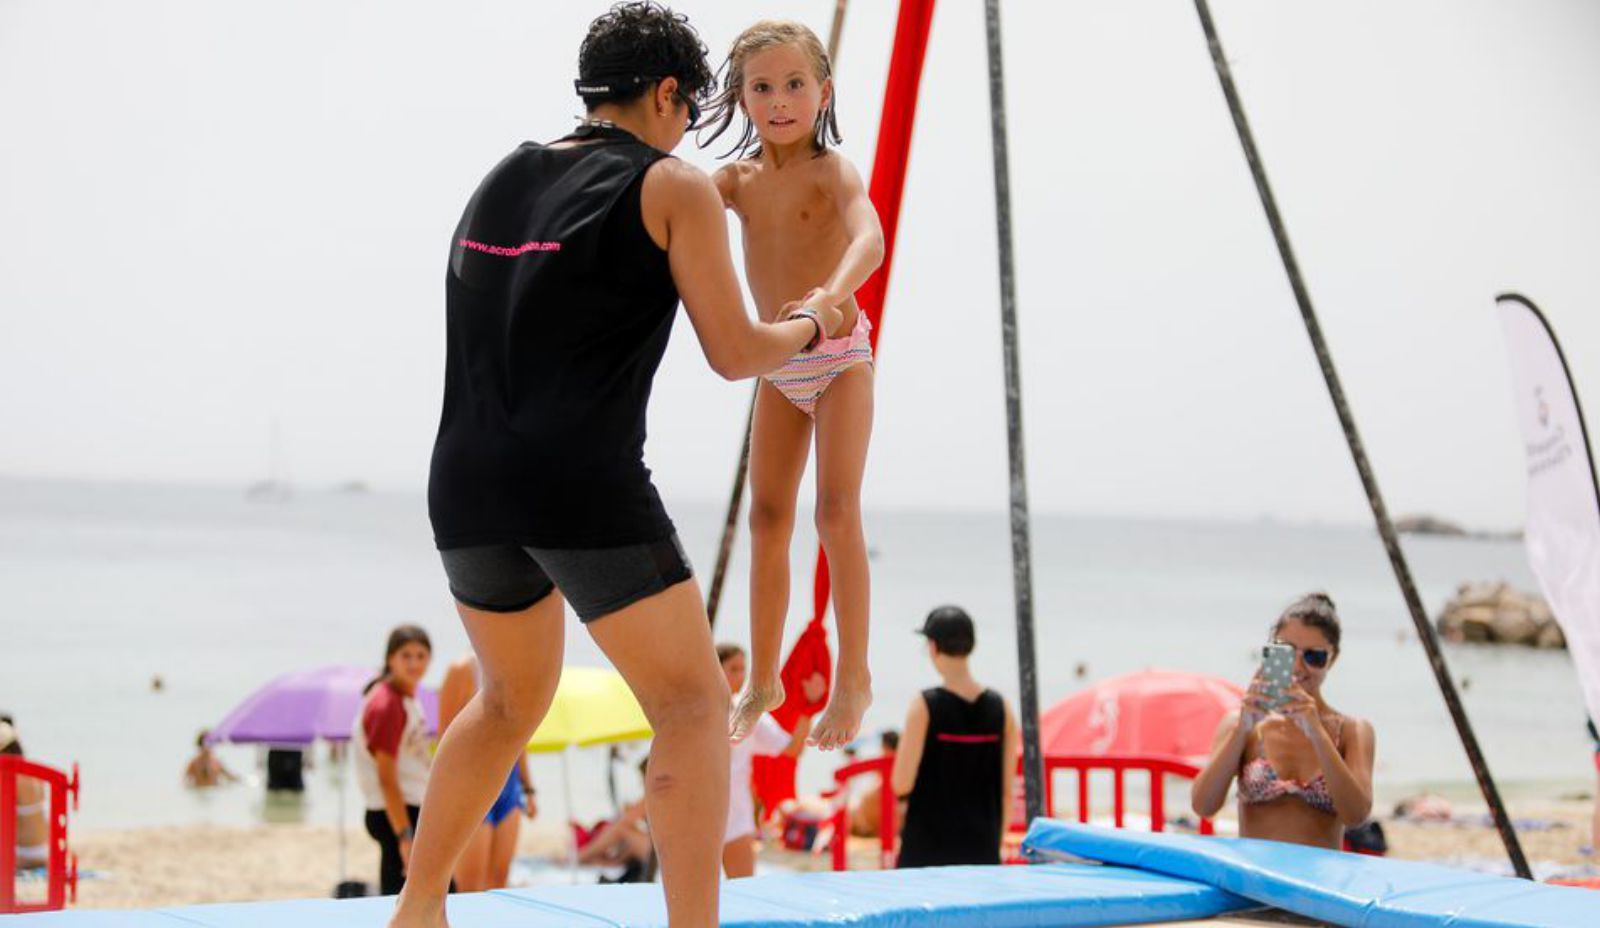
(1259, 781)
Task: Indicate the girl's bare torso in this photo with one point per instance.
(794, 236)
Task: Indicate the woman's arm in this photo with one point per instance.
(1010, 745)
(530, 796)
(1348, 775)
(1210, 788)
(683, 213)
(908, 757)
(860, 218)
(394, 803)
(797, 741)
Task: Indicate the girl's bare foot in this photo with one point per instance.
(756, 700)
(841, 721)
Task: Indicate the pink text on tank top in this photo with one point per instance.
(968, 739)
(504, 251)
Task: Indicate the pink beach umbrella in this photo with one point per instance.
(1170, 713)
(299, 708)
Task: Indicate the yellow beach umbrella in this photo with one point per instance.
(593, 705)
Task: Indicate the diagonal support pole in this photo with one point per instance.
(1380, 513)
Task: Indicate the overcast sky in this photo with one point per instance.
(214, 216)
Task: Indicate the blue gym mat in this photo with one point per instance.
(1345, 889)
(1038, 896)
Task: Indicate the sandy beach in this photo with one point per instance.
(147, 867)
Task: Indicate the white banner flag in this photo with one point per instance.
(1563, 527)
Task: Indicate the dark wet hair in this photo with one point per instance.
(635, 45)
(727, 651)
(769, 33)
(14, 746)
(399, 637)
(1313, 610)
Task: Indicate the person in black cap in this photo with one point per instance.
(956, 765)
(564, 277)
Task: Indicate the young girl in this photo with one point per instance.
(810, 235)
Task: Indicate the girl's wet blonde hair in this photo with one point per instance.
(769, 33)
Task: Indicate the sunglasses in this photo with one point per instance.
(598, 86)
(694, 108)
(1316, 658)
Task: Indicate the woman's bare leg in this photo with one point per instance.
(472, 867)
(844, 427)
(662, 647)
(520, 654)
(779, 439)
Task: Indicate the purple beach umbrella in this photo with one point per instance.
(305, 706)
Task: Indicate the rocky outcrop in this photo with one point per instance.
(1427, 525)
(1498, 613)
(1423, 524)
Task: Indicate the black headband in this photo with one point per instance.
(605, 85)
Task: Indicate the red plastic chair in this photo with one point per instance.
(61, 867)
(1157, 767)
(839, 841)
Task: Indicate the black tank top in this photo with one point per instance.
(953, 813)
(558, 306)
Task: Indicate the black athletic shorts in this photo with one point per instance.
(596, 581)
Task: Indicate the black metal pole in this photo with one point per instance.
(836, 32)
(1021, 556)
(1380, 513)
(730, 525)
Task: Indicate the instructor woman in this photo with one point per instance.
(565, 276)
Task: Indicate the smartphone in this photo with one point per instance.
(1277, 672)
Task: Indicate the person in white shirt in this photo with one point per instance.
(390, 752)
(767, 739)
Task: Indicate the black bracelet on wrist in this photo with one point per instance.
(817, 337)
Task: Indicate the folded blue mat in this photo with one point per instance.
(1345, 889)
(1039, 896)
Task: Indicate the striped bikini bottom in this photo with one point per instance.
(806, 376)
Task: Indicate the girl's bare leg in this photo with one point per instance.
(779, 440)
(520, 653)
(662, 646)
(844, 427)
(503, 847)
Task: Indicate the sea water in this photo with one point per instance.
(110, 589)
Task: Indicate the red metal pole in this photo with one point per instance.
(1158, 801)
(888, 806)
(57, 862)
(8, 834)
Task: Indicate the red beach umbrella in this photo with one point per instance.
(1152, 712)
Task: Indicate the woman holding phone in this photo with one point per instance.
(1304, 768)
